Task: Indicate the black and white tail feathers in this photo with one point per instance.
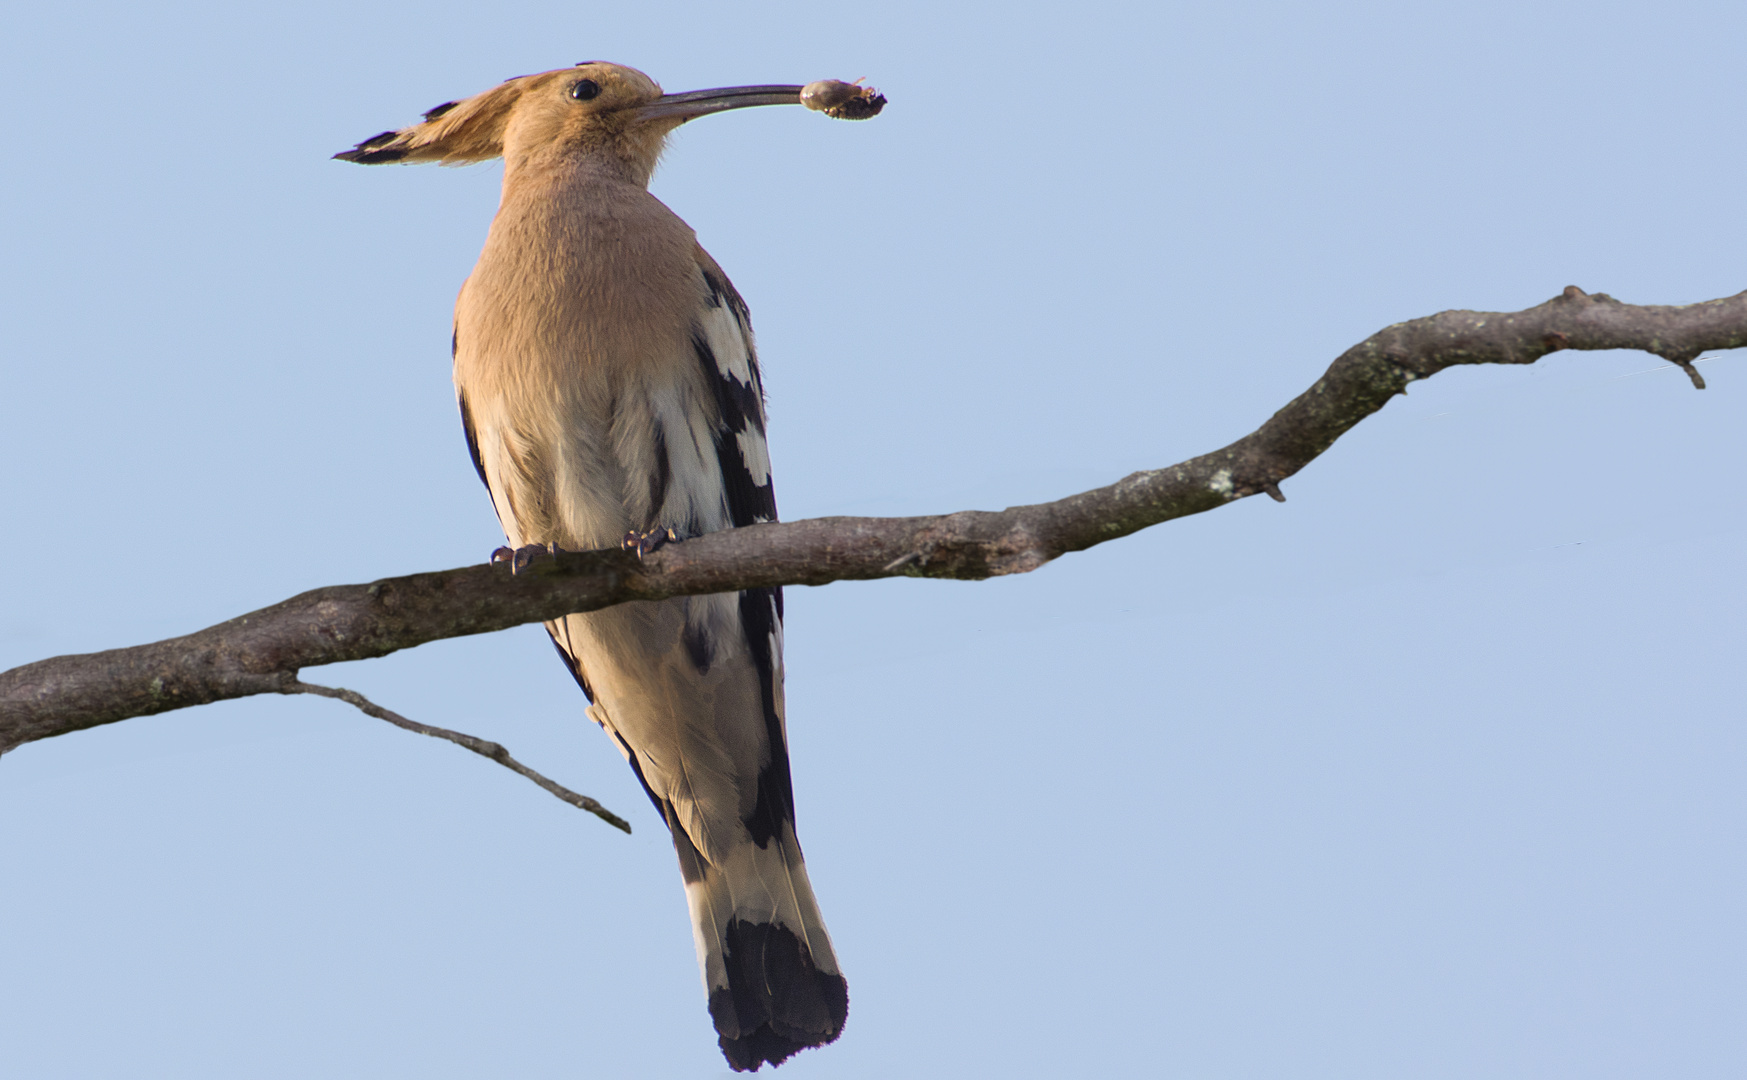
(774, 988)
(771, 976)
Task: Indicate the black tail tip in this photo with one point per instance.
(764, 1046)
(776, 1003)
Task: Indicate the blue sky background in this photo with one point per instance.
(1434, 771)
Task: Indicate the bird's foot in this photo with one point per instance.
(521, 558)
(648, 540)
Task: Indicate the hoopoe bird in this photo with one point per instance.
(609, 392)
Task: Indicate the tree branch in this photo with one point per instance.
(482, 747)
(262, 652)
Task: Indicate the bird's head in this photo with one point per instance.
(608, 112)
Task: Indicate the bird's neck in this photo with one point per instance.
(556, 171)
(557, 199)
(573, 221)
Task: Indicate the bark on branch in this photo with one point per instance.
(262, 652)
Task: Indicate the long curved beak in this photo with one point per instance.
(695, 103)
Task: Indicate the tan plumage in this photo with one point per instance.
(608, 385)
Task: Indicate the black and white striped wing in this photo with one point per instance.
(725, 349)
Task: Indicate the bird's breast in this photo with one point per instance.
(575, 359)
(567, 288)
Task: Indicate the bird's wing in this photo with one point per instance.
(727, 353)
(696, 699)
(725, 350)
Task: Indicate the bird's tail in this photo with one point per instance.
(773, 980)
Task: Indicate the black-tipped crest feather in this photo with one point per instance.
(453, 133)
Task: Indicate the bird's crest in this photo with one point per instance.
(453, 133)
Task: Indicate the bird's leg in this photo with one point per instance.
(520, 558)
(648, 540)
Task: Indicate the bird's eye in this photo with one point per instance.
(585, 90)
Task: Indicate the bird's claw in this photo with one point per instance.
(648, 540)
(521, 558)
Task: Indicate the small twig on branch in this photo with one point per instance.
(261, 652)
(482, 747)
